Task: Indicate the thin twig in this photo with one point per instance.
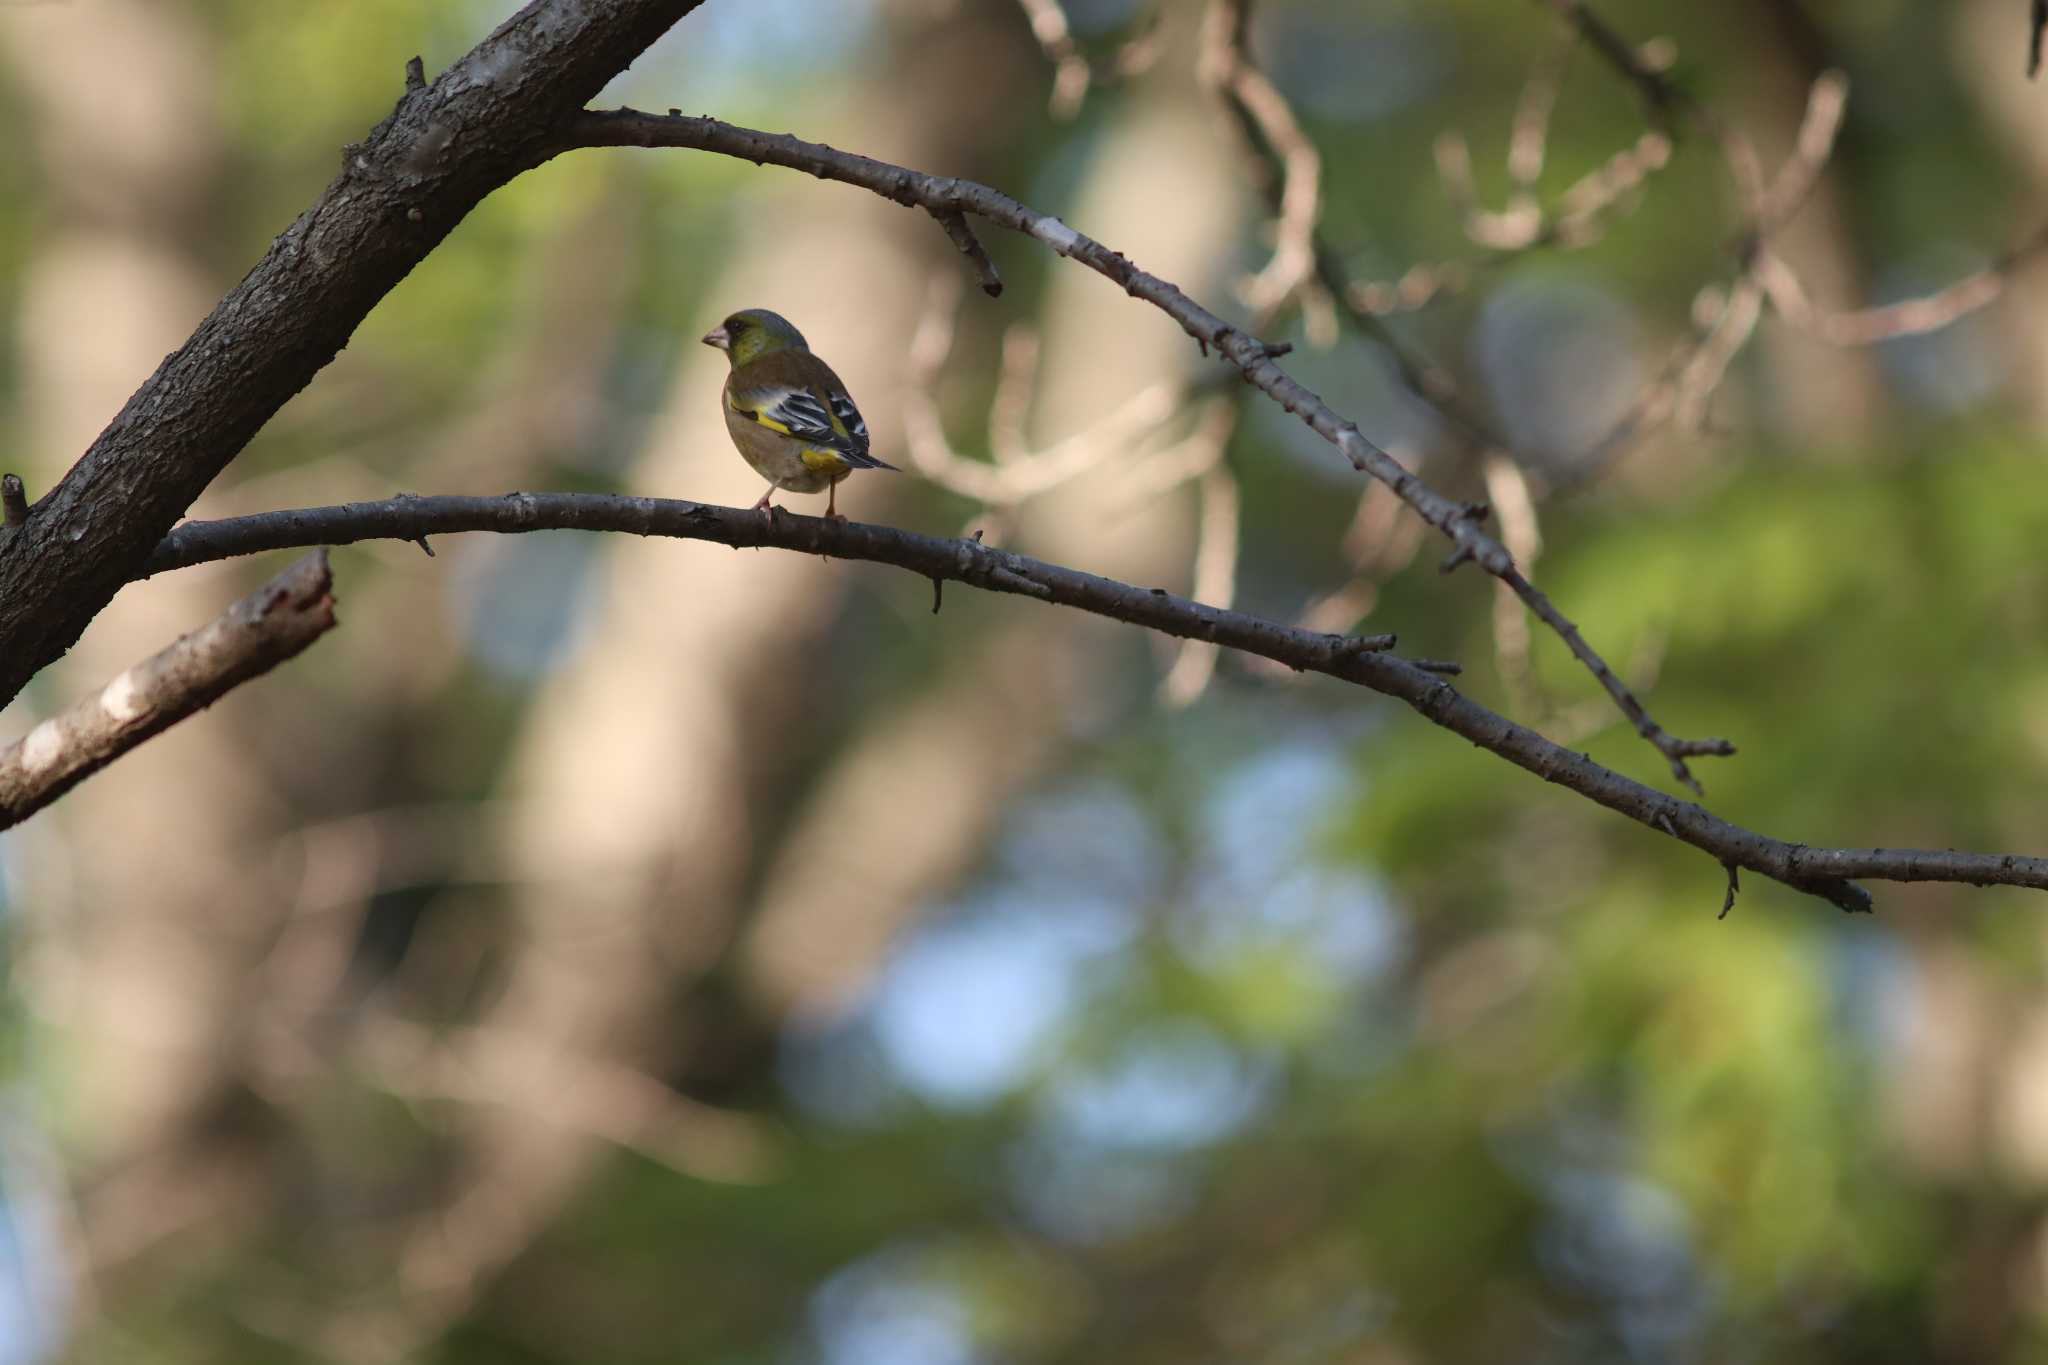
(1073, 72)
(254, 636)
(1215, 581)
(1529, 133)
(1268, 118)
(1660, 95)
(1253, 357)
(13, 500)
(1826, 102)
(1824, 872)
(955, 224)
(1070, 69)
(1908, 317)
(1018, 473)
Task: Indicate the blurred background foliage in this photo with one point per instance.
(605, 951)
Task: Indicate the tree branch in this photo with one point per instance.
(942, 195)
(401, 190)
(1823, 872)
(254, 636)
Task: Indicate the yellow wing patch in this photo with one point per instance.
(757, 416)
(838, 427)
(825, 461)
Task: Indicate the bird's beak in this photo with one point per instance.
(718, 337)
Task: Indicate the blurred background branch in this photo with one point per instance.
(252, 637)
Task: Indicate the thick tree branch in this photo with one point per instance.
(1824, 872)
(254, 636)
(944, 195)
(400, 191)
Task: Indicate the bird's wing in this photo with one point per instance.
(848, 416)
(797, 395)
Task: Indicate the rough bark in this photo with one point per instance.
(400, 192)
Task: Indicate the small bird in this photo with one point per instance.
(791, 418)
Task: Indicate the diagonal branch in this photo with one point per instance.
(1269, 126)
(254, 636)
(1823, 872)
(401, 190)
(939, 195)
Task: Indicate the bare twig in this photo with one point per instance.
(1664, 99)
(1700, 376)
(1529, 134)
(955, 224)
(1379, 543)
(1508, 489)
(2037, 19)
(1795, 180)
(1073, 73)
(1018, 473)
(1191, 457)
(1908, 317)
(1524, 223)
(1252, 356)
(13, 500)
(1268, 121)
(254, 636)
(1215, 581)
(1824, 872)
(1016, 392)
(1661, 96)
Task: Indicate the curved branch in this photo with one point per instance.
(941, 195)
(252, 637)
(1823, 872)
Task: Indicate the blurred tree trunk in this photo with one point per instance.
(149, 912)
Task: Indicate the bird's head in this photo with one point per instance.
(752, 333)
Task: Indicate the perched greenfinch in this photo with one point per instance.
(791, 418)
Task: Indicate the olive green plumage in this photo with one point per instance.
(788, 414)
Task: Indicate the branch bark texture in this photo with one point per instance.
(1829, 873)
(254, 636)
(400, 192)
